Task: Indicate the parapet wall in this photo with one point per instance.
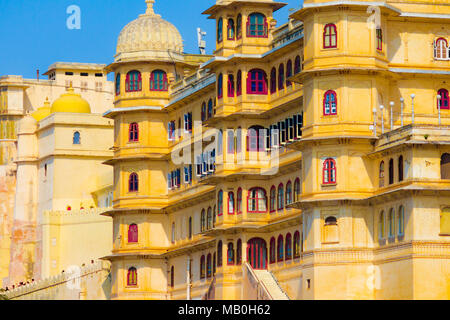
(89, 282)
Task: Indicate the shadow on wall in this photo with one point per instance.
(106, 286)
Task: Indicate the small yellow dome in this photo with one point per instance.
(42, 112)
(70, 102)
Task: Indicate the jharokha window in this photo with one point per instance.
(230, 29)
(219, 254)
(329, 171)
(230, 85)
(202, 267)
(280, 248)
(133, 132)
(239, 252)
(288, 249)
(273, 80)
(289, 193)
(158, 81)
(208, 266)
(220, 203)
(132, 279)
(379, 39)
(440, 49)
(272, 251)
(273, 196)
(239, 201)
(288, 73)
(230, 203)
(280, 200)
(117, 84)
(133, 233)
(220, 30)
(330, 103)
(239, 27)
(330, 36)
(257, 201)
(444, 101)
(255, 139)
(257, 82)
(257, 26)
(220, 86)
(133, 81)
(297, 65)
(133, 183)
(239, 83)
(296, 244)
(281, 77)
(381, 175)
(230, 254)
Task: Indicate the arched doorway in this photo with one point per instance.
(257, 253)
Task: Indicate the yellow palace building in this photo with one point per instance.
(309, 160)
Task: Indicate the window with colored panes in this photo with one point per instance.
(330, 36)
(330, 103)
(133, 81)
(133, 132)
(158, 81)
(329, 171)
(444, 101)
(257, 201)
(379, 39)
(257, 26)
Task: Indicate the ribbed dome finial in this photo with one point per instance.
(150, 11)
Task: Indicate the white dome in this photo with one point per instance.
(149, 37)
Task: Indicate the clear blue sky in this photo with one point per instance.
(34, 32)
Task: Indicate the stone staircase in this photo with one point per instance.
(271, 285)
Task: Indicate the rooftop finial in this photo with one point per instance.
(150, 11)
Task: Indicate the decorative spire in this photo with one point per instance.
(150, 11)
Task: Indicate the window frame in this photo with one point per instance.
(133, 132)
(257, 200)
(329, 171)
(330, 112)
(328, 34)
(133, 82)
(133, 182)
(253, 27)
(257, 82)
(444, 102)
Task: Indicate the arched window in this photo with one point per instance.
(76, 138)
(255, 139)
(445, 166)
(133, 234)
(239, 253)
(202, 267)
(239, 201)
(214, 216)
(257, 82)
(202, 221)
(296, 244)
(133, 183)
(381, 175)
(219, 254)
(273, 80)
(220, 30)
(297, 65)
(210, 108)
(172, 277)
(209, 220)
(280, 248)
(239, 140)
(214, 263)
(381, 226)
(444, 101)
(158, 81)
(133, 132)
(190, 228)
(272, 250)
(257, 201)
(203, 111)
(297, 190)
(391, 171)
(391, 225)
(401, 221)
(173, 232)
(281, 77)
(132, 279)
(220, 86)
(257, 26)
(273, 197)
(230, 29)
(208, 266)
(230, 203)
(331, 221)
(288, 193)
(288, 245)
(288, 73)
(280, 198)
(379, 35)
(220, 203)
(330, 36)
(329, 171)
(117, 84)
(239, 27)
(400, 168)
(133, 81)
(230, 85)
(440, 49)
(330, 103)
(239, 83)
(230, 254)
